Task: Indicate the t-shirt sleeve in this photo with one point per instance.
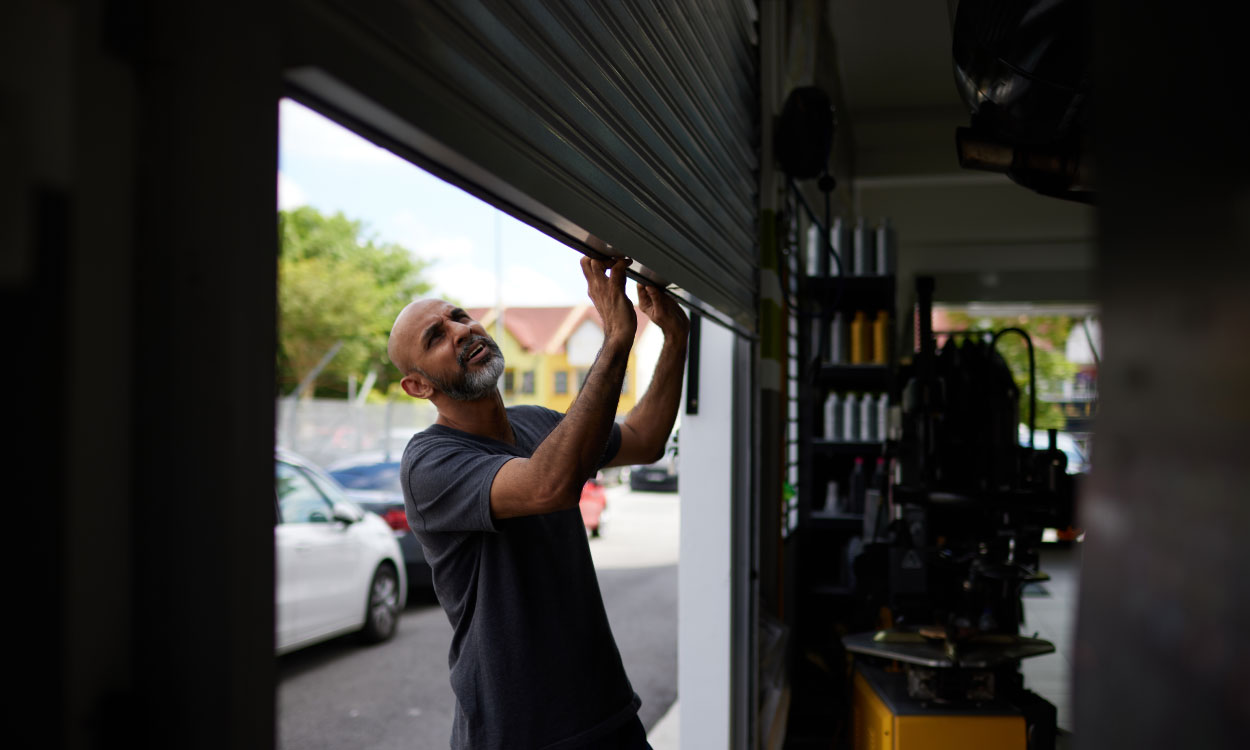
(449, 487)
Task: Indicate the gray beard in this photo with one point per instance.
(472, 386)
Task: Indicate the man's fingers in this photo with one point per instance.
(619, 267)
(646, 298)
(588, 268)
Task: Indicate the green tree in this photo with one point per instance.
(335, 284)
(1050, 336)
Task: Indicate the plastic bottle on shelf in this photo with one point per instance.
(840, 238)
(855, 495)
(880, 476)
(883, 417)
(833, 414)
(880, 335)
(874, 502)
(863, 251)
(814, 250)
(884, 249)
(831, 497)
(850, 417)
(859, 338)
(837, 339)
(867, 418)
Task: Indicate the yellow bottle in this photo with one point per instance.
(859, 339)
(880, 335)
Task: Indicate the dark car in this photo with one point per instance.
(660, 476)
(372, 482)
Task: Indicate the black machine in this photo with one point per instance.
(1023, 69)
(965, 518)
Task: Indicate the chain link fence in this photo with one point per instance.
(327, 430)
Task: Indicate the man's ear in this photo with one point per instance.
(416, 386)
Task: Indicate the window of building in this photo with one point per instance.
(562, 382)
(509, 381)
(527, 382)
(582, 372)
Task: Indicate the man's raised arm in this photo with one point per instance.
(648, 425)
(552, 478)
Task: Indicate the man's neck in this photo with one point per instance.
(485, 417)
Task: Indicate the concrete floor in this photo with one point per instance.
(1053, 617)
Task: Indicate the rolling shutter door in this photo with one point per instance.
(625, 125)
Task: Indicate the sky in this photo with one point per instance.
(326, 166)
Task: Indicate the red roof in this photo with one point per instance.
(546, 328)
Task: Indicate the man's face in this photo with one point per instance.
(455, 354)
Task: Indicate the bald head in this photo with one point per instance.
(405, 336)
(440, 349)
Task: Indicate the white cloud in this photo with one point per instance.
(307, 135)
(290, 195)
(467, 283)
(525, 286)
(445, 248)
(474, 286)
(406, 229)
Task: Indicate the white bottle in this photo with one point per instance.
(863, 254)
(831, 497)
(832, 415)
(850, 417)
(867, 418)
(814, 249)
(884, 260)
(883, 417)
(837, 339)
(840, 239)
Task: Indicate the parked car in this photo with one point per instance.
(1078, 461)
(593, 504)
(660, 476)
(339, 568)
(372, 481)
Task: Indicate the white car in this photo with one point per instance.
(339, 568)
(1078, 459)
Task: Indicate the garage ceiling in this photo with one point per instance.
(983, 236)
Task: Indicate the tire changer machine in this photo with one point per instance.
(955, 545)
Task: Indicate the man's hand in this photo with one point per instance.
(645, 431)
(664, 312)
(551, 479)
(608, 293)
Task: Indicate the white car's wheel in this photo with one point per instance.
(382, 612)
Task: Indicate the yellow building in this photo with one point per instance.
(549, 350)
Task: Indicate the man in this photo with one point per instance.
(492, 493)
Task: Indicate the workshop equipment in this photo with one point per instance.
(967, 512)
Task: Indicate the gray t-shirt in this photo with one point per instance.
(533, 661)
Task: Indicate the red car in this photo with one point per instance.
(592, 504)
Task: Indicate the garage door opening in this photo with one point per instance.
(1066, 341)
(364, 232)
